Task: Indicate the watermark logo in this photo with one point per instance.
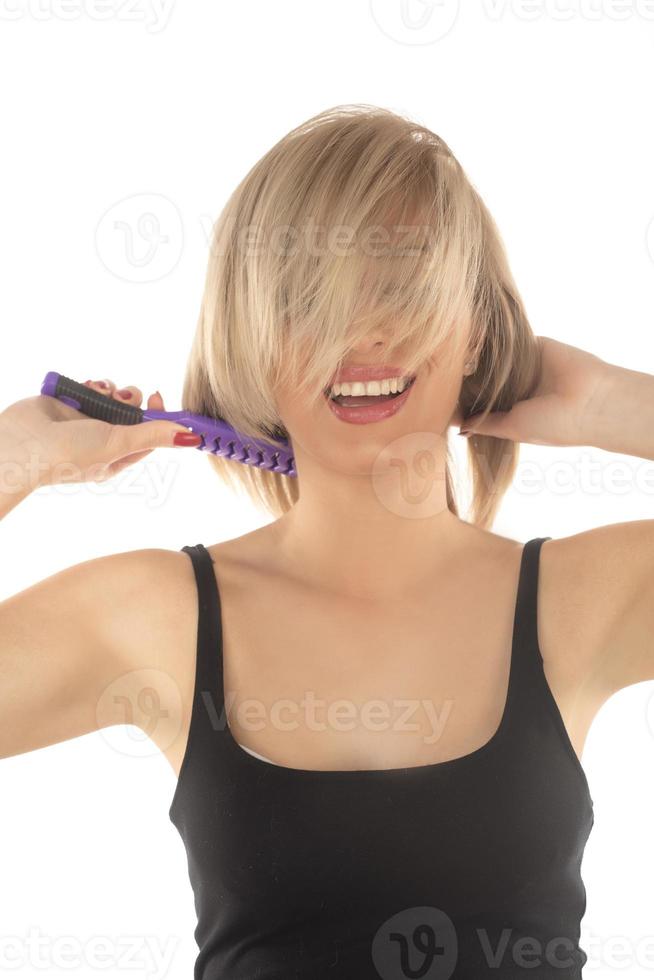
(140, 238)
(408, 475)
(140, 712)
(416, 942)
(415, 22)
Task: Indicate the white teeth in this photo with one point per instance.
(389, 386)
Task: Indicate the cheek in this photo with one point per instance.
(296, 410)
(441, 394)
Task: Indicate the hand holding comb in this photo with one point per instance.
(218, 437)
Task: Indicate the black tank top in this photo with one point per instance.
(468, 868)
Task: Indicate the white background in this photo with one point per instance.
(111, 110)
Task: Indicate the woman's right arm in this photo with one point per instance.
(71, 648)
(14, 467)
(70, 645)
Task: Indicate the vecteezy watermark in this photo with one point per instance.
(567, 10)
(140, 238)
(618, 952)
(40, 951)
(408, 475)
(312, 713)
(415, 22)
(155, 14)
(586, 475)
(423, 942)
(315, 239)
(152, 479)
(420, 22)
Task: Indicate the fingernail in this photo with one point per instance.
(124, 393)
(102, 384)
(187, 439)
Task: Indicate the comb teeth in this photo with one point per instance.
(252, 452)
(261, 455)
(221, 439)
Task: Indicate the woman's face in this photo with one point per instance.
(352, 444)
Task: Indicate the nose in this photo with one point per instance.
(375, 343)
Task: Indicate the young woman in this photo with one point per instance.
(376, 708)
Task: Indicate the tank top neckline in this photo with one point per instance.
(524, 632)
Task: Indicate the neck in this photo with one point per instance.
(363, 535)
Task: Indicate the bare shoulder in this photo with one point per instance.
(155, 591)
(147, 593)
(158, 628)
(594, 595)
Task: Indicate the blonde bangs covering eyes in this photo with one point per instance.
(356, 218)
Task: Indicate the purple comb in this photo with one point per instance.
(218, 437)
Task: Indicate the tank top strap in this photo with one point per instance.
(526, 611)
(527, 680)
(208, 693)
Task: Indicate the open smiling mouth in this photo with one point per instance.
(359, 401)
(363, 409)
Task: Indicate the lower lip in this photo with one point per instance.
(362, 414)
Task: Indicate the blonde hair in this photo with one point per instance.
(288, 288)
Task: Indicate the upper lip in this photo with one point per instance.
(367, 372)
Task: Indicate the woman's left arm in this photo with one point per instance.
(581, 400)
(620, 417)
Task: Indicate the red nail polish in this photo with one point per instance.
(187, 439)
(124, 393)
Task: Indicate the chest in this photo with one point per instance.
(317, 683)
